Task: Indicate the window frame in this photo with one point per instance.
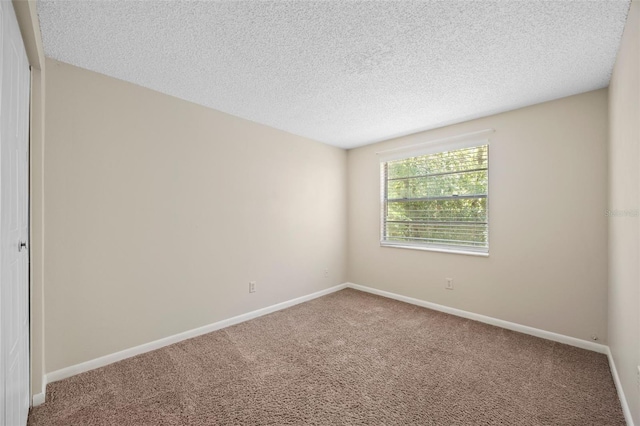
(444, 145)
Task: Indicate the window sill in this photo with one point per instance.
(436, 249)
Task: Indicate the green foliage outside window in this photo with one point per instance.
(438, 199)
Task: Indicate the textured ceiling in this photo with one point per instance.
(346, 73)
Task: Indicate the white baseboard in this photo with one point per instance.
(39, 398)
(616, 379)
(147, 347)
(63, 373)
(572, 341)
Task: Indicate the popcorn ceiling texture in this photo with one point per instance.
(344, 73)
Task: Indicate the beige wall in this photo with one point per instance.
(624, 191)
(548, 234)
(160, 212)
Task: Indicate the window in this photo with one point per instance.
(437, 201)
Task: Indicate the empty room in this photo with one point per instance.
(319, 212)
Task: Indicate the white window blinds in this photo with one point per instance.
(437, 200)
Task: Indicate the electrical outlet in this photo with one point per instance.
(326, 273)
(252, 286)
(449, 284)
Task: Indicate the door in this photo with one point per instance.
(14, 224)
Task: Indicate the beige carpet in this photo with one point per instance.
(347, 358)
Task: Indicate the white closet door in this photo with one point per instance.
(14, 221)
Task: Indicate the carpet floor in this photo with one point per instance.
(349, 358)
